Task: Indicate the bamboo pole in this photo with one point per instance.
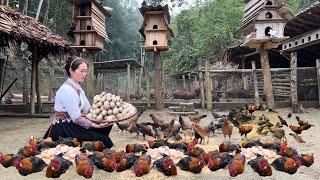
(255, 82)
(208, 85)
(34, 57)
(267, 78)
(318, 77)
(128, 82)
(201, 85)
(158, 81)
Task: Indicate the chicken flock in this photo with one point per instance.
(182, 151)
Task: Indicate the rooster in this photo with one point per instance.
(303, 122)
(84, 166)
(166, 166)
(123, 126)
(133, 128)
(225, 147)
(236, 165)
(94, 146)
(271, 144)
(251, 143)
(226, 129)
(29, 165)
(197, 118)
(252, 107)
(156, 120)
(105, 163)
(201, 132)
(193, 150)
(142, 165)
(145, 130)
(6, 160)
(27, 151)
(285, 164)
(219, 161)
(307, 159)
(69, 141)
(243, 129)
(261, 166)
(289, 115)
(186, 128)
(158, 143)
(285, 150)
(57, 166)
(127, 162)
(191, 164)
(135, 148)
(299, 129)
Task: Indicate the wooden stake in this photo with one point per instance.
(255, 82)
(267, 78)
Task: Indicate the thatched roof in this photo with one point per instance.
(15, 27)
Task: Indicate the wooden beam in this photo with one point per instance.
(267, 78)
(208, 85)
(294, 83)
(318, 77)
(301, 41)
(128, 83)
(201, 85)
(34, 58)
(255, 82)
(158, 84)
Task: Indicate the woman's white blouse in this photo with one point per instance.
(67, 100)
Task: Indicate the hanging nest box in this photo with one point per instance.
(155, 28)
(264, 22)
(89, 25)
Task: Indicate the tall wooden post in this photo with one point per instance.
(158, 84)
(128, 82)
(255, 82)
(134, 84)
(39, 103)
(34, 57)
(184, 82)
(202, 99)
(267, 78)
(244, 75)
(318, 77)
(294, 90)
(90, 76)
(208, 85)
(50, 94)
(148, 89)
(2, 67)
(189, 80)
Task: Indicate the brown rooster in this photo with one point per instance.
(193, 150)
(226, 129)
(199, 130)
(69, 141)
(142, 165)
(243, 129)
(303, 122)
(145, 130)
(158, 143)
(296, 129)
(226, 147)
(135, 148)
(191, 164)
(261, 166)
(166, 166)
(252, 107)
(57, 166)
(307, 159)
(285, 164)
(196, 118)
(236, 165)
(6, 160)
(84, 166)
(127, 162)
(248, 144)
(105, 163)
(27, 151)
(157, 121)
(285, 150)
(94, 146)
(29, 165)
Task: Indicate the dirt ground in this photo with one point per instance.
(14, 133)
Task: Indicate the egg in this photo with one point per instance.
(100, 117)
(110, 118)
(119, 116)
(103, 99)
(104, 112)
(99, 104)
(118, 104)
(102, 94)
(94, 106)
(118, 98)
(120, 109)
(109, 98)
(109, 94)
(98, 111)
(96, 98)
(114, 99)
(106, 106)
(115, 111)
(112, 104)
(94, 116)
(110, 112)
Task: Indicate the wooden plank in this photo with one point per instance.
(291, 45)
(294, 83)
(318, 77)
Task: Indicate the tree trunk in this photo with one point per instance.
(39, 9)
(267, 78)
(158, 84)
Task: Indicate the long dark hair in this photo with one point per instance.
(73, 63)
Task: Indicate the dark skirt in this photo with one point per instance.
(66, 129)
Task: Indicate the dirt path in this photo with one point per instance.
(14, 132)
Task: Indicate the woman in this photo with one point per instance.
(71, 105)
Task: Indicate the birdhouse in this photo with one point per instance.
(155, 28)
(89, 25)
(264, 22)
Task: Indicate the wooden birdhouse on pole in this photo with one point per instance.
(89, 25)
(263, 25)
(89, 31)
(156, 31)
(264, 22)
(155, 28)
